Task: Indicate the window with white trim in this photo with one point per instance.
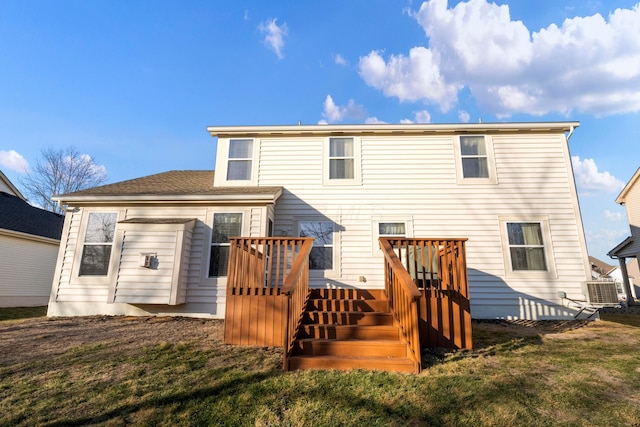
(473, 152)
(98, 243)
(392, 229)
(341, 161)
(475, 159)
(225, 225)
(322, 253)
(526, 246)
(240, 161)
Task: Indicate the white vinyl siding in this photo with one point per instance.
(417, 177)
(197, 295)
(26, 269)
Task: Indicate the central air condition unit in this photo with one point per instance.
(602, 292)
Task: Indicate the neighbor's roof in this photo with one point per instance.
(8, 183)
(382, 129)
(18, 215)
(602, 267)
(623, 194)
(178, 185)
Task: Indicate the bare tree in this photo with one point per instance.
(61, 171)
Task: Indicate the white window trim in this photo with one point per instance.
(222, 165)
(335, 271)
(543, 220)
(493, 179)
(116, 249)
(205, 280)
(375, 230)
(357, 178)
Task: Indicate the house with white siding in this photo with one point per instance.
(629, 247)
(159, 245)
(29, 239)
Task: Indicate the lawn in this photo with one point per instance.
(116, 371)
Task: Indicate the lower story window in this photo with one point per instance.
(225, 225)
(526, 246)
(321, 257)
(98, 241)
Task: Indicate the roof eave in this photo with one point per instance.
(356, 129)
(155, 198)
(623, 194)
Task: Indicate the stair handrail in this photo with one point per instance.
(296, 290)
(403, 296)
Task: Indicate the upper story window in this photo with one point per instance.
(476, 164)
(225, 225)
(240, 160)
(98, 242)
(342, 160)
(473, 151)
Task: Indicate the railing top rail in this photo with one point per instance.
(399, 269)
(297, 267)
(430, 239)
(270, 239)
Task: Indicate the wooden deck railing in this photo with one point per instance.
(438, 268)
(296, 290)
(258, 274)
(403, 296)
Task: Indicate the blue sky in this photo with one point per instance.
(135, 83)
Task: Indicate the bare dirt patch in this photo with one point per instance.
(38, 338)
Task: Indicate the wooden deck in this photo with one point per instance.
(425, 303)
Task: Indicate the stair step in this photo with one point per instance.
(361, 294)
(348, 305)
(347, 363)
(367, 348)
(347, 318)
(345, 332)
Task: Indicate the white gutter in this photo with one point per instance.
(155, 198)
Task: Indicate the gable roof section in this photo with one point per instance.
(623, 194)
(18, 215)
(177, 185)
(601, 267)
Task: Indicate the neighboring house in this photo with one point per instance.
(629, 247)
(159, 244)
(29, 239)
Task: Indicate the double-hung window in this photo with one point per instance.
(240, 163)
(341, 161)
(473, 152)
(526, 246)
(225, 225)
(322, 253)
(341, 158)
(476, 163)
(98, 242)
(527, 250)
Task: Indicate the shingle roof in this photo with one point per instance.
(18, 215)
(175, 183)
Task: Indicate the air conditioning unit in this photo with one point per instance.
(146, 260)
(601, 292)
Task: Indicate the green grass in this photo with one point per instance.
(13, 313)
(588, 376)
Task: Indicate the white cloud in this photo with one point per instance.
(613, 216)
(463, 116)
(423, 116)
(14, 161)
(374, 121)
(406, 121)
(587, 64)
(275, 35)
(336, 113)
(589, 179)
(339, 59)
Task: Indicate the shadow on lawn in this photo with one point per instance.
(17, 313)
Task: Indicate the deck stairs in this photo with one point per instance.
(350, 329)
